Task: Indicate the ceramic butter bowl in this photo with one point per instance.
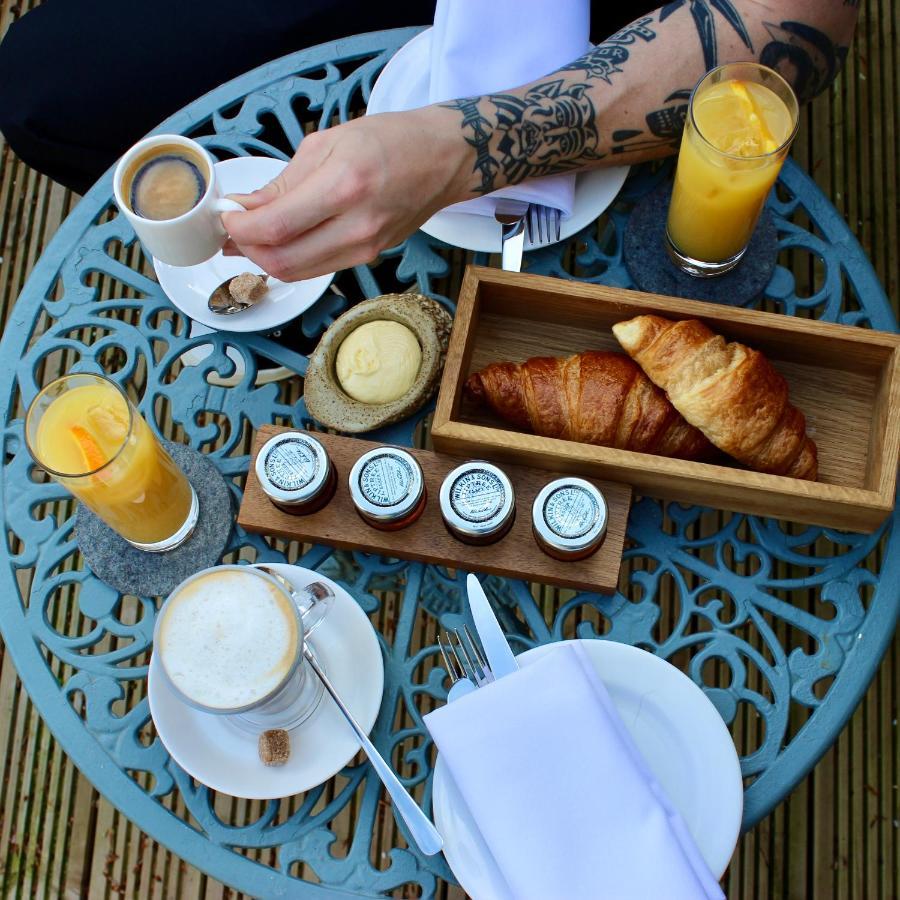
(326, 400)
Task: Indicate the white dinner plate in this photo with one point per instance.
(219, 755)
(678, 731)
(189, 287)
(403, 84)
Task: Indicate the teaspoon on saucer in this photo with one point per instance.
(223, 302)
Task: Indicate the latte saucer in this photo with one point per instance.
(215, 752)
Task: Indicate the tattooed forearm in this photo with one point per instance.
(706, 24)
(665, 125)
(618, 102)
(480, 139)
(551, 129)
(547, 131)
(804, 56)
(607, 59)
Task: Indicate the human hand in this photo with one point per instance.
(350, 192)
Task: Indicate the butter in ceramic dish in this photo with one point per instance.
(365, 367)
(378, 362)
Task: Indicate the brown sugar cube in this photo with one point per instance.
(247, 288)
(274, 747)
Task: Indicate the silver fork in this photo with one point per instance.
(466, 667)
(542, 226)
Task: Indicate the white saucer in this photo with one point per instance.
(403, 84)
(220, 756)
(678, 731)
(189, 287)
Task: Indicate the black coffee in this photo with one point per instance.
(164, 183)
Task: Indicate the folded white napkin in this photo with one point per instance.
(561, 795)
(486, 46)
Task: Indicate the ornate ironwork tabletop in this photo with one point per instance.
(783, 626)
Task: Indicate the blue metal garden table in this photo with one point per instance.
(783, 626)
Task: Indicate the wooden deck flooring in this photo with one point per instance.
(838, 835)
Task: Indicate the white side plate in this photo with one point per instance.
(189, 287)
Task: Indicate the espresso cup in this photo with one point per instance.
(192, 237)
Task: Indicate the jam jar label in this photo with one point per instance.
(291, 465)
(385, 479)
(571, 512)
(477, 495)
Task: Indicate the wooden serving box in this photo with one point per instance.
(844, 379)
(516, 555)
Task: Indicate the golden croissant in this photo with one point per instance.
(594, 397)
(727, 390)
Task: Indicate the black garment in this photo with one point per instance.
(82, 81)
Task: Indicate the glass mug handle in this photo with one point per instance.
(314, 601)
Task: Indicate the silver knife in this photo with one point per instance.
(511, 215)
(496, 648)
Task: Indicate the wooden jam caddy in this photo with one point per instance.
(846, 381)
(427, 540)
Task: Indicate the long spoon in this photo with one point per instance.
(420, 826)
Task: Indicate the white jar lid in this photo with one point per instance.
(292, 468)
(477, 499)
(570, 515)
(386, 484)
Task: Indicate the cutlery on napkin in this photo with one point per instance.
(561, 795)
(481, 48)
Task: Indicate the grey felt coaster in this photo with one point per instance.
(649, 264)
(131, 571)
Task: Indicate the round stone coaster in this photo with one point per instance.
(131, 571)
(648, 262)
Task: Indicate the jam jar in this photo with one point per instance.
(387, 488)
(478, 503)
(569, 518)
(296, 473)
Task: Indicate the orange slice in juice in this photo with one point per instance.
(93, 456)
(742, 118)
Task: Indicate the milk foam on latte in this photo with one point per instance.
(228, 638)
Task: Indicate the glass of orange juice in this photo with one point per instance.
(83, 430)
(741, 120)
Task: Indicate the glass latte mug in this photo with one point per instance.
(740, 123)
(229, 641)
(83, 430)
